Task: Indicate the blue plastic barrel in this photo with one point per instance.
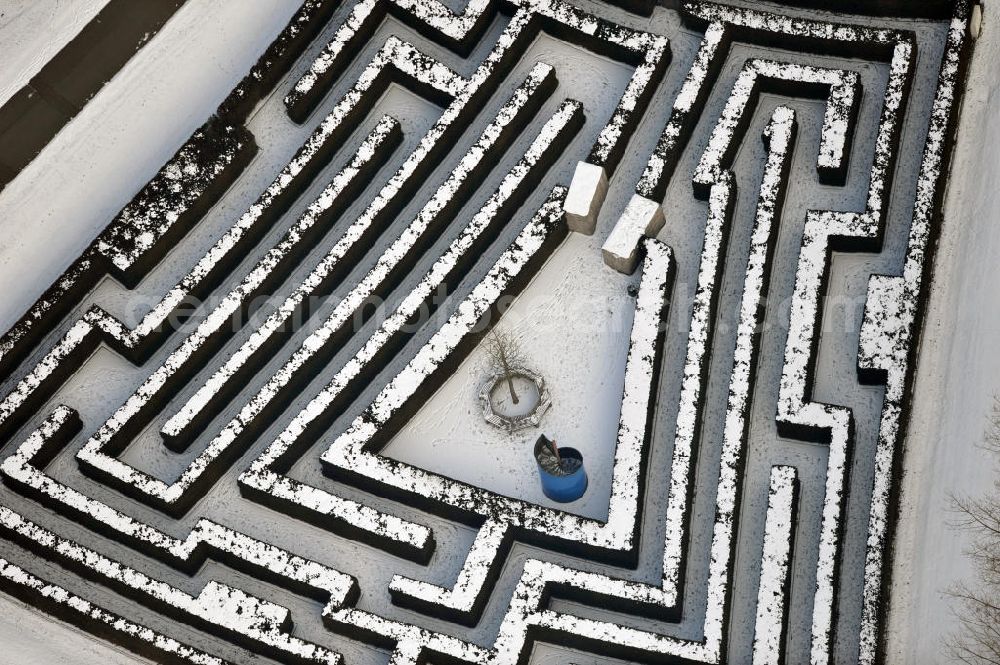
(564, 488)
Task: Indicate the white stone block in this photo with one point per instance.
(585, 198)
(976, 21)
(643, 218)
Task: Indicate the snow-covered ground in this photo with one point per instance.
(958, 373)
(33, 31)
(30, 637)
(572, 323)
(97, 163)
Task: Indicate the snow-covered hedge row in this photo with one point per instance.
(771, 624)
(649, 52)
(797, 415)
(78, 611)
(261, 479)
(775, 29)
(843, 98)
(186, 186)
(355, 453)
(890, 329)
(255, 623)
(642, 215)
(780, 137)
(464, 602)
(686, 111)
(695, 376)
(24, 469)
(458, 31)
(296, 175)
(307, 22)
(203, 168)
(352, 242)
(721, 191)
(538, 576)
(221, 608)
(723, 24)
(97, 324)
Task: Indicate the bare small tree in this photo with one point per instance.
(977, 605)
(505, 356)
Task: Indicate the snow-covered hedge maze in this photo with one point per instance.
(197, 418)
